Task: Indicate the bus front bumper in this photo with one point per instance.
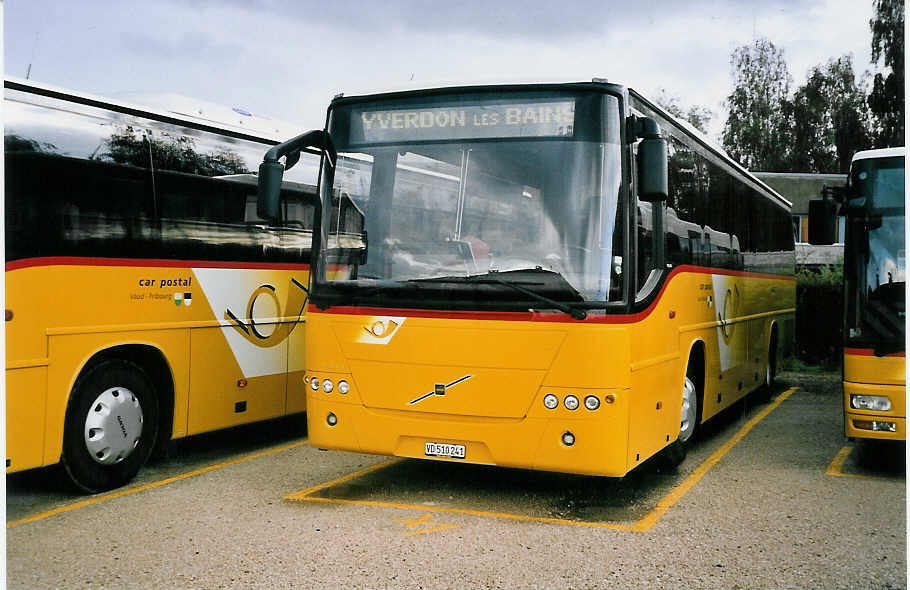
(592, 443)
(885, 425)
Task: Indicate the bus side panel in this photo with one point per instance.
(658, 369)
(654, 409)
(239, 371)
(222, 395)
(296, 398)
(69, 354)
(758, 352)
(25, 404)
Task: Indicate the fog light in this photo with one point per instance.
(568, 438)
(314, 384)
(343, 387)
(571, 402)
(327, 386)
(331, 419)
(550, 401)
(592, 403)
(875, 425)
(870, 402)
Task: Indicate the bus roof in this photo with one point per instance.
(879, 153)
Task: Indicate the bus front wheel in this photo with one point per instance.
(111, 425)
(688, 419)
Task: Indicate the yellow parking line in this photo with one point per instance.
(151, 485)
(836, 468)
(665, 503)
(837, 465)
(642, 525)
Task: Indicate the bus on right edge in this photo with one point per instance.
(874, 296)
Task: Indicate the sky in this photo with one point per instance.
(286, 59)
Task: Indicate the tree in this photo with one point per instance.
(886, 100)
(756, 128)
(129, 146)
(829, 119)
(697, 116)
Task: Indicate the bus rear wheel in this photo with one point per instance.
(688, 420)
(111, 425)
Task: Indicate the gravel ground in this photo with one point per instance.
(764, 516)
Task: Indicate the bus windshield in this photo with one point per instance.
(457, 187)
(875, 260)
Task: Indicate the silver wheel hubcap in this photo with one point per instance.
(688, 413)
(113, 426)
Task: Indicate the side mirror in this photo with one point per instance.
(822, 222)
(651, 162)
(271, 170)
(269, 194)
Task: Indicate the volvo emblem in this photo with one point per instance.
(439, 389)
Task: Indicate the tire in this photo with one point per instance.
(111, 426)
(676, 452)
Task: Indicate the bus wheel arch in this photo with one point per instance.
(767, 388)
(135, 372)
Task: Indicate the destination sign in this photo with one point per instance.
(526, 119)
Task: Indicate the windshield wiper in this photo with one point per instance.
(491, 277)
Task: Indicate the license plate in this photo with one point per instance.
(434, 449)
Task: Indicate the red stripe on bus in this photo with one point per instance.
(527, 316)
(869, 352)
(147, 262)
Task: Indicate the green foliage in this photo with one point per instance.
(128, 146)
(830, 275)
(886, 101)
(756, 128)
(800, 367)
(819, 312)
(829, 119)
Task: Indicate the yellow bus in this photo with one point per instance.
(875, 374)
(559, 277)
(145, 298)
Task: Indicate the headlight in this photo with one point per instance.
(571, 402)
(314, 383)
(550, 401)
(870, 402)
(343, 387)
(592, 402)
(327, 386)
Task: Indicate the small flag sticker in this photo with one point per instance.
(178, 299)
(183, 299)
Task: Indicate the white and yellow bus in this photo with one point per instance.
(559, 277)
(145, 298)
(875, 265)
